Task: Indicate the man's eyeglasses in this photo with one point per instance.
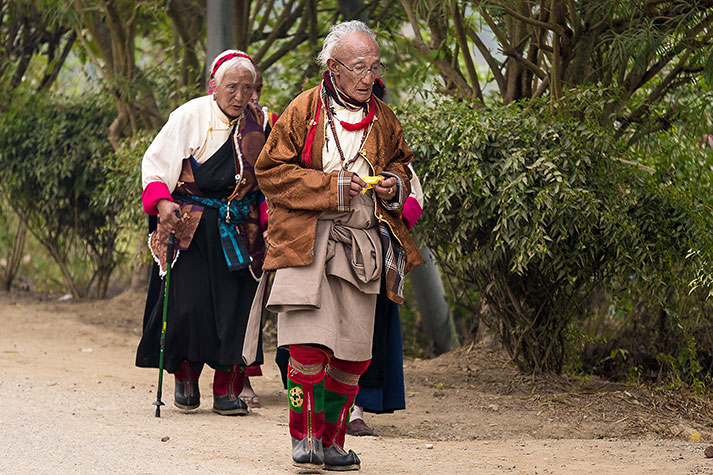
(360, 71)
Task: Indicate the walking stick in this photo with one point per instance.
(169, 259)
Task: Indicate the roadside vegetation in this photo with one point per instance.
(565, 149)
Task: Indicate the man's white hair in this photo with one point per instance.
(237, 62)
(336, 33)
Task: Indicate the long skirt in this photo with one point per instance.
(381, 386)
(208, 306)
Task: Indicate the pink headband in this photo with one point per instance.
(228, 57)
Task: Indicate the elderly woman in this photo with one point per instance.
(198, 177)
(333, 237)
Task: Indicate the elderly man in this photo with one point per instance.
(333, 236)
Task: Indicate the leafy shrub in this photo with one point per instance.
(54, 164)
(668, 336)
(535, 211)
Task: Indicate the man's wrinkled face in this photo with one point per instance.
(234, 91)
(354, 64)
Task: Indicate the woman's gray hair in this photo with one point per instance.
(336, 33)
(237, 62)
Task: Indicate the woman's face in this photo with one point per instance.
(234, 91)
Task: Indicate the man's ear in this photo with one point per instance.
(333, 66)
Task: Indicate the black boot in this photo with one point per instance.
(187, 395)
(307, 453)
(227, 385)
(228, 405)
(336, 458)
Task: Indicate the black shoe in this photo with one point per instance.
(336, 458)
(186, 395)
(307, 453)
(228, 405)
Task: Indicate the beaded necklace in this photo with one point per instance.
(330, 120)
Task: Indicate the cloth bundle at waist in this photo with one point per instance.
(347, 246)
(230, 214)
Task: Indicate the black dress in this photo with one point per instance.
(208, 305)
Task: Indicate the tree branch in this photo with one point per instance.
(574, 17)
(55, 65)
(253, 18)
(526, 62)
(504, 43)
(462, 41)
(298, 38)
(280, 23)
(418, 38)
(531, 21)
(266, 16)
(492, 62)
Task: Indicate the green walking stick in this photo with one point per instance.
(169, 259)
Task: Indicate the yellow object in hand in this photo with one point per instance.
(371, 181)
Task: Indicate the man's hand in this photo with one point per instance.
(356, 185)
(386, 190)
(167, 211)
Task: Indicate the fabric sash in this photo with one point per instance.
(234, 249)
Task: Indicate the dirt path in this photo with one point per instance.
(71, 401)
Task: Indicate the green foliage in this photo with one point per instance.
(8, 224)
(669, 336)
(535, 211)
(54, 166)
(124, 179)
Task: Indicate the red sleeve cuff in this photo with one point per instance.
(412, 212)
(154, 191)
(263, 215)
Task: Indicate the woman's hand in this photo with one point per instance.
(386, 190)
(167, 211)
(356, 185)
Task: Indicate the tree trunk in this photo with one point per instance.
(220, 29)
(13, 264)
(61, 261)
(436, 317)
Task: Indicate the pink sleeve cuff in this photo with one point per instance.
(154, 191)
(263, 215)
(412, 212)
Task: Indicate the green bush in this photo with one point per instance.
(534, 211)
(668, 336)
(54, 168)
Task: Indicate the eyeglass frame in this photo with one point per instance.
(368, 70)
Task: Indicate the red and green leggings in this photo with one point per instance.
(321, 391)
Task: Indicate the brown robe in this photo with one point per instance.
(297, 195)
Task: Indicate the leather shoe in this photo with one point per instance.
(307, 453)
(228, 405)
(338, 459)
(186, 395)
(358, 427)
